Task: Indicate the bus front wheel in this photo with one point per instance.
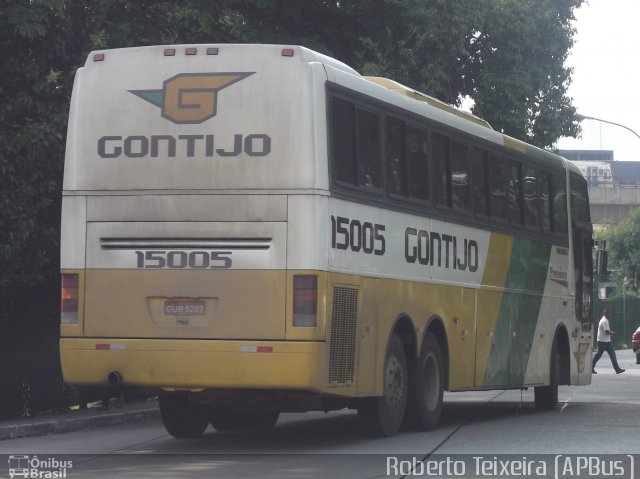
(382, 416)
(546, 397)
(181, 418)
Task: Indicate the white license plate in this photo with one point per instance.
(191, 307)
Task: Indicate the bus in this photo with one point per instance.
(249, 230)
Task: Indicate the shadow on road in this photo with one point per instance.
(341, 431)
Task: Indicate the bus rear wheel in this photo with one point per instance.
(425, 399)
(382, 416)
(226, 420)
(546, 397)
(182, 419)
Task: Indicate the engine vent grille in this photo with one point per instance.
(342, 351)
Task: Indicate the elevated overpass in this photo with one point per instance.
(612, 202)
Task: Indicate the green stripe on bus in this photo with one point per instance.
(519, 311)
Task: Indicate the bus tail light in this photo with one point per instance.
(69, 298)
(305, 301)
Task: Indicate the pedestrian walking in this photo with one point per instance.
(604, 343)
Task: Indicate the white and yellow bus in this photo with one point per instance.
(256, 229)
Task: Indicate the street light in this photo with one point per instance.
(581, 117)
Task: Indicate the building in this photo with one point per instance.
(614, 186)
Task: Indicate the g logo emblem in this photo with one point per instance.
(190, 97)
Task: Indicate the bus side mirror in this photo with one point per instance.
(602, 262)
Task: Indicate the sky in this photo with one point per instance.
(606, 77)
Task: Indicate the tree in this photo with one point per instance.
(516, 72)
(623, 243)
(32, 122)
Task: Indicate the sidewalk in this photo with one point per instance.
(92, 417)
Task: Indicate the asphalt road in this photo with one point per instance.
(603, 418)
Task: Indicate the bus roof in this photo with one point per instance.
(417, 95)
(217, 49)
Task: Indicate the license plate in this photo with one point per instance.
(185, 308)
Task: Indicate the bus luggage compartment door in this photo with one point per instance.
(222, 280)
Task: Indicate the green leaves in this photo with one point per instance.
(32, 130)
(516, 73)
(623, 243)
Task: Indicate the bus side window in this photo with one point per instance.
(369, 172)
(440, 153)
(460, 176)
(396, 157)
(479, 181)
(559, 204)
(515, 193)
(417, 154)
(343, 134)
(497, 189)
(530, 196)
(546, 210)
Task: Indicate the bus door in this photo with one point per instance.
(582, 229)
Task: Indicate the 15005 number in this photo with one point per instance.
(182, 259)
(357, 236)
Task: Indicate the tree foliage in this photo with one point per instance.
(32, 119)
(516, 71)
(508, 55)
(623, 243)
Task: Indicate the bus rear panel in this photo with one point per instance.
(184, 166)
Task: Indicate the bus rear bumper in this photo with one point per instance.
(193, 364)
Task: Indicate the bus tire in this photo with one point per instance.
(382, 416)
(546, 397)
(182, 419)
(225, 420)
(425, 400)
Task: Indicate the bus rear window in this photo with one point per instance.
(369, 172)
(344, 147)
(406, 160)
(356, 145)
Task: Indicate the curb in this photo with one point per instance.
(44, 427)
